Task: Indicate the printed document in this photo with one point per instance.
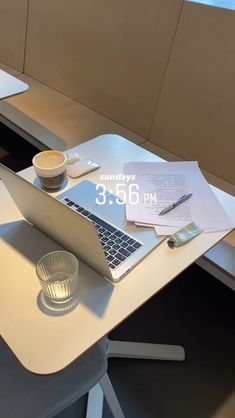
(160, 184)
(161, 229)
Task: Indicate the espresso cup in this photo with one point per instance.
(50, 167)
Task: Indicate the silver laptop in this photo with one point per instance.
(99, 235)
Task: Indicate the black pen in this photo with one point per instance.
(177, 203)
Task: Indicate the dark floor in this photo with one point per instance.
(15, 152)
(198, 312)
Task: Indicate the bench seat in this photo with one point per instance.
(50, 119)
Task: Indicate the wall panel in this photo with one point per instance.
(195, 116)
(109, 55)
(13, 16)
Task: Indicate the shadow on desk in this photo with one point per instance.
(31, 244)
(27, 240)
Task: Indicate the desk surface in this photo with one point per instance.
(10, 86)
(46, 343)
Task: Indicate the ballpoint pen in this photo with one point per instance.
(178, 202)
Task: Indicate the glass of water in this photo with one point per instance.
(58, 275)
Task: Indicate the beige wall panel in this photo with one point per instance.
(195, 118)
(57, 121)
(107, 54)
(13, 17)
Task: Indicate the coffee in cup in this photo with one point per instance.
(50, 167)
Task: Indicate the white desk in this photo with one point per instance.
(10, 86)
(45, 344)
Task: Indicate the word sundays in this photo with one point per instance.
(120, 176)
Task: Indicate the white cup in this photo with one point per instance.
(50, 167)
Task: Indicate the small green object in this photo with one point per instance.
(184, 235)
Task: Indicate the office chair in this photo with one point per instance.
(135, 350)
(25, 395)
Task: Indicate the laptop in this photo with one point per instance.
(98, 234)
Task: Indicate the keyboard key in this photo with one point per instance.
(110, 258)
(137, 245)
(131, 241)
(118, 241)
(120, 257)
(124, 244)
(102, 230)
(107, 248)
(80, 209)
(107, 233)
(76, 206)
(86, 213)
(116, 246)
(131, 249)
(110, 242)
(116, 262)
(102, 223)
(112, 252)
(113, 237)
(125, 237)
(67, 199)
(124, 252)
(118, 233)
(104, 239)
(70, 203)
(112, 266)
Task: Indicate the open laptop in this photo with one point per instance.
(100, 235)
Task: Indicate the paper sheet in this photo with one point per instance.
(160, 229)
(165, 230)
(160, 184)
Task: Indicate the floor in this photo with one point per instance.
(15, 152)
(198, 312)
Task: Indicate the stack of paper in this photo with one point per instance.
(154, 186)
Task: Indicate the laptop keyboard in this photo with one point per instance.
(117, 245)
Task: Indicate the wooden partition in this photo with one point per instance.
(13, 17)
(109, 55)
(195, 118)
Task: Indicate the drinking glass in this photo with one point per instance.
(58, 275)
